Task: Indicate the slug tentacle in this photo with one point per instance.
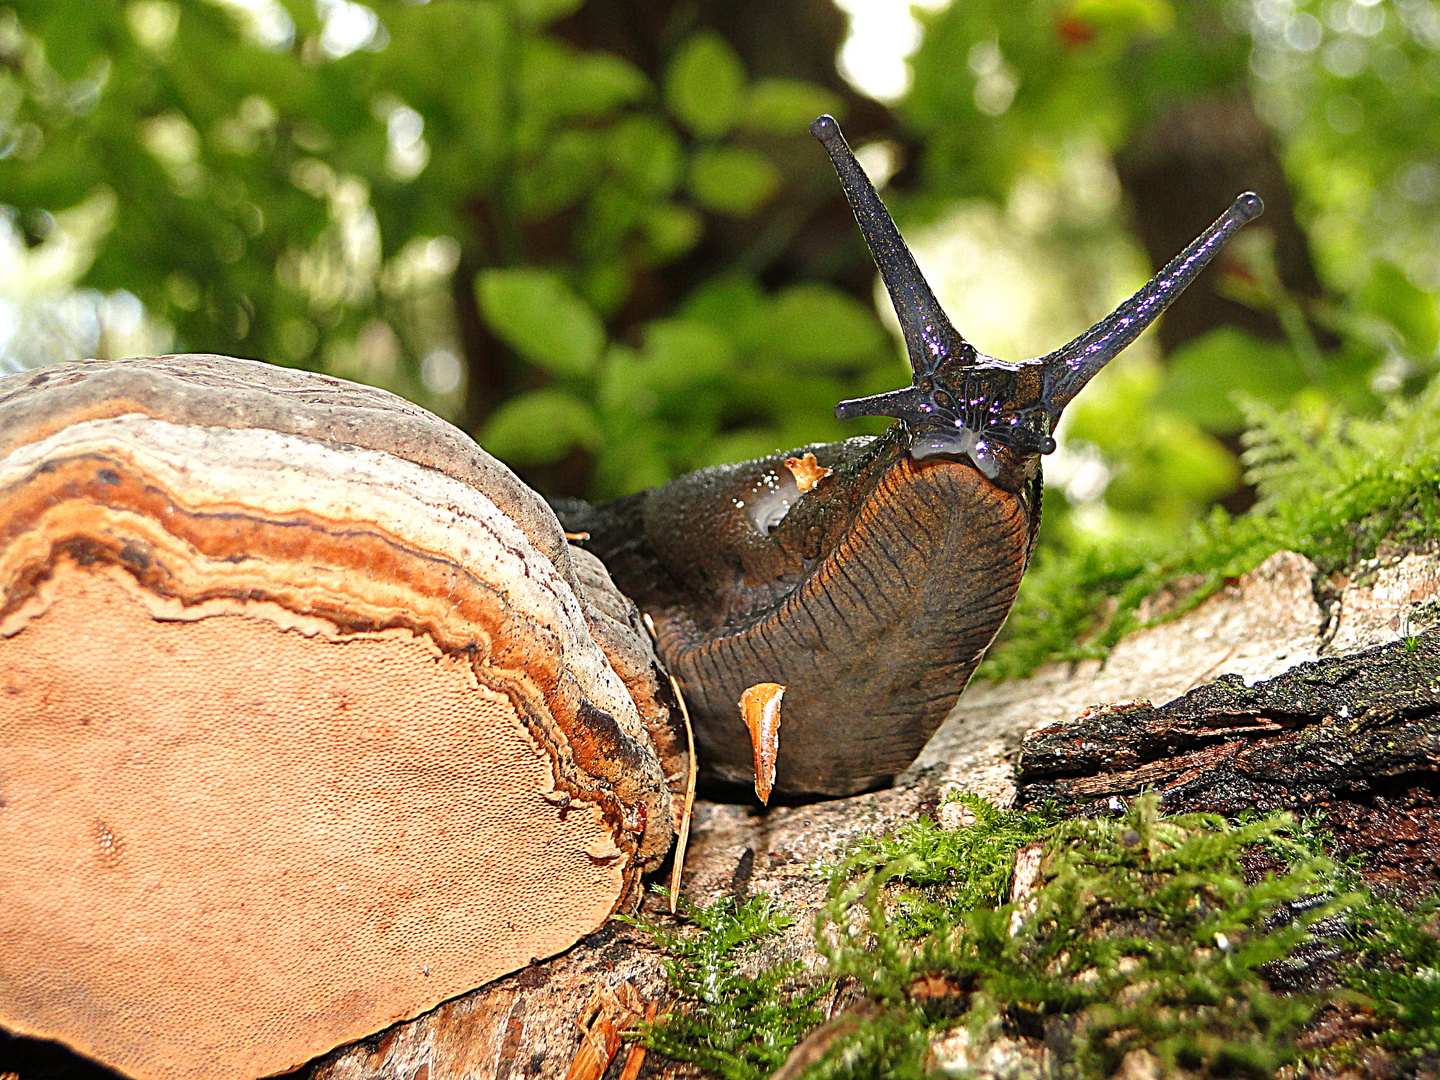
(1071, 366)
(929, 337)
(968, 406)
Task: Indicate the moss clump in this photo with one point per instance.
(1331, 490)
(947, 871)
(1396, 966)
(734, 1025)
(1143, 936)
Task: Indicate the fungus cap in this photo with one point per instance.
(306, 716)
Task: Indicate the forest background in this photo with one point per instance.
(597, 235)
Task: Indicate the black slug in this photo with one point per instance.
(873, 596)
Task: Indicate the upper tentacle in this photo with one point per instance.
(929, 337)
(1070, 367)
(961, 404)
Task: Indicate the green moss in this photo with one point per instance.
(1331, 489)
(732, 1025)
(1144, 935)
(948, 872)
(1396, 967)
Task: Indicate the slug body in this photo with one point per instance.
(873, 596)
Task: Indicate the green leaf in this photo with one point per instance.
(598, 84)
(1204, 374)
(612, 216)
(734, 305)
(820, 325)
(1149, 16)
(646, 153)
(633, 459)
(732, 180)
(607, 283)
(1170, 469)
(681, 353)
(744, 445)
(1412, 311)
(786, 106)
(566, 167)
(671, 230)
(558, 82)
(536, 13)
(624, 392)
(705, 85)
(540, 427)
(536, 313)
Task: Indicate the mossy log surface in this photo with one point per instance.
(1353, 739)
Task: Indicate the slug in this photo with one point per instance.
(872, 596)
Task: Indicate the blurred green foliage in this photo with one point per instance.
(1013, 98)
(1349, 88)
(300, 182)
(1331, 487)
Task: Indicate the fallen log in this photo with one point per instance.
(1354, 740)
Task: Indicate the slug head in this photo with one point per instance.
(965, 405)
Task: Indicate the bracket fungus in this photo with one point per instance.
(310, 717)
